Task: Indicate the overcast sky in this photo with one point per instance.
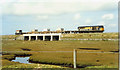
(54, 14)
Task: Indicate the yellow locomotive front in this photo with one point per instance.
(91, 29)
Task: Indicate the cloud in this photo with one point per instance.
(59, 0)
(76, 23)
(40, 8)
(30, 7)
(101, 23)
(88, 21)
(108, 16)
(77, 16)
(42, 17)
(112, 25)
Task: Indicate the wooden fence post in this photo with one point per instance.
(74, 57)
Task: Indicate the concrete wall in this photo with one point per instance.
(44, 37)
(19, 38)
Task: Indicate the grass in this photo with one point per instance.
(65, 59)
(83, 59)
(20, 65)
(12, 45)
(92, 36)
(9, 36)
(6, 62)
(88, 60)
(102, 67)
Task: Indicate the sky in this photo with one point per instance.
(53, 14)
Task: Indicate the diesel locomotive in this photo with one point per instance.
(91, 29)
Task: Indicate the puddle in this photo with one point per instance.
(24, 60)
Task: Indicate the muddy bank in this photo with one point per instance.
(11, 56)
(61, 64)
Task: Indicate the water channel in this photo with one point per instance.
(24, 60)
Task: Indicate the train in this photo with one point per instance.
(91, 29)
(81, 29)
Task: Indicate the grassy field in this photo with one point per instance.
(13, 45)
(92, 36)
(97, 59)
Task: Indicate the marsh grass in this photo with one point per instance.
(92, 36)
(52, 57)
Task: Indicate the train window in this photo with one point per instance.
(94, 28)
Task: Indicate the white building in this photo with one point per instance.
(44, 37)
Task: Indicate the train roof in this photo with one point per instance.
(90, 26)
